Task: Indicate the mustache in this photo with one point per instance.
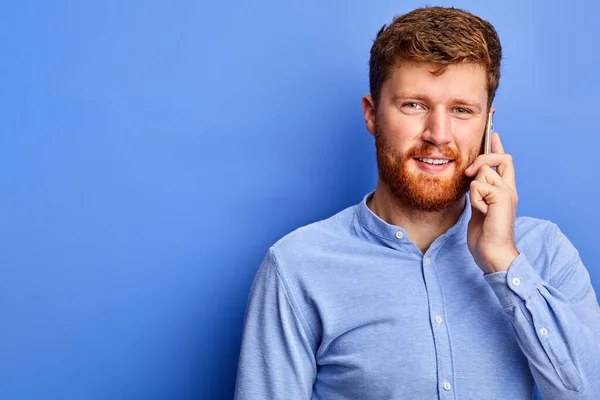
(426, 149)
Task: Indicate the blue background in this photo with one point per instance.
(151, 152)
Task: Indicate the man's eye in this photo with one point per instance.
(415, 106)
(461, 110)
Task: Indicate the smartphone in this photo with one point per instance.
(487, 140)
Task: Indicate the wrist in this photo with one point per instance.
(502, 260)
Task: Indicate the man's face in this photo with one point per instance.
(428, 129)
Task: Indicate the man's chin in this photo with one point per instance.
(440, 179)
(431, 203)
(427, 193)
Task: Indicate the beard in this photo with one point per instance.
(419, 190)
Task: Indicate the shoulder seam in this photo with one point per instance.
(306, 328)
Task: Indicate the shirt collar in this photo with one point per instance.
(396, 236)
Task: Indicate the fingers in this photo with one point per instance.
(498, 158)
(490, 188)
(488, 175)
(485, 195)
(503, 163)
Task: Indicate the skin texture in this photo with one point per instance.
(423, 115)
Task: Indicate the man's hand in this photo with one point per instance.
(494, 201)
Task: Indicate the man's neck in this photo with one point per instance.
(422, 227)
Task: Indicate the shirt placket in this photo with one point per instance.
(439, 329)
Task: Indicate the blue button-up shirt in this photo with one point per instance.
(350, 308)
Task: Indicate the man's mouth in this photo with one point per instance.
(434, 161)
(433, 165)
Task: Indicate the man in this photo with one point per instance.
(429, 288)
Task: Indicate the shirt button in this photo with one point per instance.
(427, 261)
(447, 385)
(438, 319)
(544, 331)
(399, 235)
(516, 281)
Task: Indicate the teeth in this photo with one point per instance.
(432, 161)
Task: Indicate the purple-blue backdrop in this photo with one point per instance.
(150, 152)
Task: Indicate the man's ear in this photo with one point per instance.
(493, 109)
(368, 106)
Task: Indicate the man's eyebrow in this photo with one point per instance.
(419, 96)
(409, 95)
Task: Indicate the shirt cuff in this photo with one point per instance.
(516, 284)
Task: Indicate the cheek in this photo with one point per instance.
(401, 131)
(470, 149)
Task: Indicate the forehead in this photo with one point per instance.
(466, 80)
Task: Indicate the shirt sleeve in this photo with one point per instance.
(277, 360)
(557, 325)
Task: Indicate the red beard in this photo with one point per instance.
(420, 190)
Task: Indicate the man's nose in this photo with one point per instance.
(438, 128)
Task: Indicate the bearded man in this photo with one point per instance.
(430, 287)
